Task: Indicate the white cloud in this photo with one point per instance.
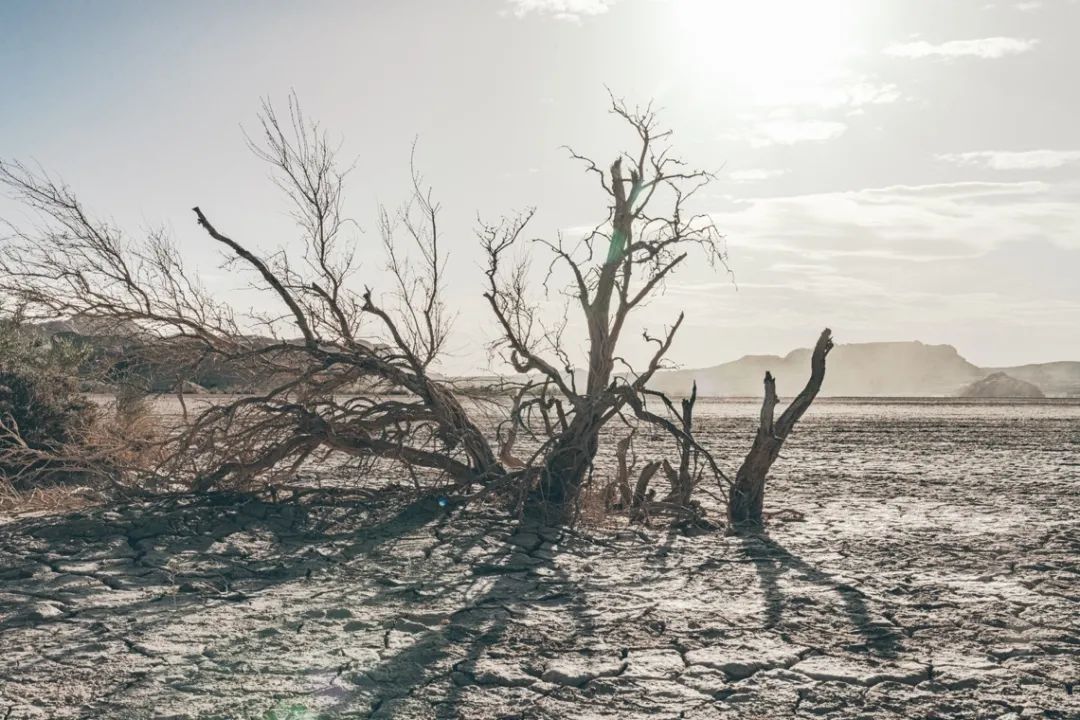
(788, 131)
(783, 113)
(985, 48)
(1010, 160)
(755, 175)
(917, 223)
(1028, 6)
(940, 263)
(853, 94)
(571, 10)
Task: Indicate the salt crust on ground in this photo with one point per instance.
(920, 599)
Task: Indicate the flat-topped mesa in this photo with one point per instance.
(873, 369)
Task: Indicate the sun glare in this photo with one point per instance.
(771, 50)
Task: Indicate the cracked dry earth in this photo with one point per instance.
(934, 577)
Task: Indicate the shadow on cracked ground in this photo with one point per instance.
(231, 607)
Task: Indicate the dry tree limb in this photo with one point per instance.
(622, 471)
(641, 487)
(506, 451)
(747, 495)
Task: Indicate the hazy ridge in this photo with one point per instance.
(877, 369)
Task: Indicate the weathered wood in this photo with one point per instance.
(569, 464)
(641, 488)
(683, 488)
(622, 477)
(747, 497)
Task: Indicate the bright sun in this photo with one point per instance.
(769, 49)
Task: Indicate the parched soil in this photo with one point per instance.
(934, 576)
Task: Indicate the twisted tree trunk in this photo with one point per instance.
(569, 462)
(747, 497)
(571, 459)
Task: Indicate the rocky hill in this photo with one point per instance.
(1000, 385)
(1057, 379)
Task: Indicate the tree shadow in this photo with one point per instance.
(159, 532)
(294, 544)
(471, 630)
(772, 561)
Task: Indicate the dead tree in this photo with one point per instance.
(747, 495)
(617, 267)
(342, 369)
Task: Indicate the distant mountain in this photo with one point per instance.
(883, 369)
(1001, 385)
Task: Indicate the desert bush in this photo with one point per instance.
(42, 413)
(51, 433)
(128, 437)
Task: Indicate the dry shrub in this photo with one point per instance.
(598, 505)
(42, 417)
(56, 444)
(64, 463)
(42, 426)
(130, 431)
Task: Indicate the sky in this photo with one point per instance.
(892, 169)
